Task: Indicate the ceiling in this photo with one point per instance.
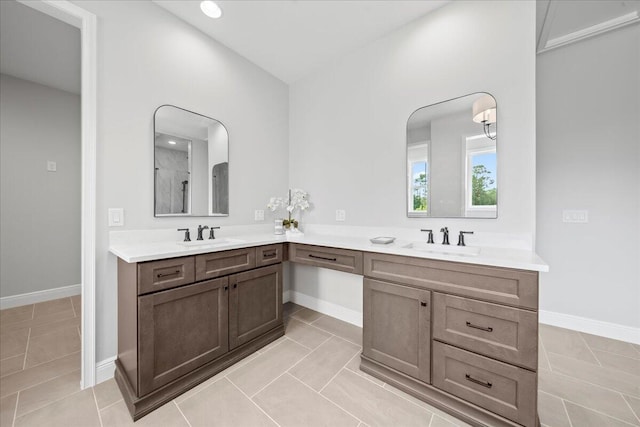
(39, 48)
(561, 22)
(292, 38)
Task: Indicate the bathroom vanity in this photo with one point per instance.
(460, 333)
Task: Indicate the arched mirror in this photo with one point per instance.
(191, 164)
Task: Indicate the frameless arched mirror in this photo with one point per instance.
(191, 164)
(452, 169)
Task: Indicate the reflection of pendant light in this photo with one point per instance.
(484, 111)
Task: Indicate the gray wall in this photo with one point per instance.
(144, 62)
(588, 126)
(39, 210)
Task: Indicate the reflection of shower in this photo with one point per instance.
(184, 195)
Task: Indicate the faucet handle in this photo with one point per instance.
(187, 236)
(430, 237)
(445, 237)
(212, 233)
(461, 237)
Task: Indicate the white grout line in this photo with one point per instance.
(26, 351)
(327, 399)
(601, 413)
(589, 408)
(47, 380)
(544, 350)
(33, 312)
(629, 405)
(433, 416)
(251, 400)
(566, 412)
(337, 373)
(112, 404)
(95, 400)
(182, 413)
(15, 410)
(589, 348)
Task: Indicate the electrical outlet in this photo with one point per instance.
(258, 215)
(116, 217)
(51, 166)
(576, 216)
(341, 215)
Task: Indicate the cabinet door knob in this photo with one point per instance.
(235, 285)
(422, 303)
(226, 288)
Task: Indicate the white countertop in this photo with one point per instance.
(131, 251)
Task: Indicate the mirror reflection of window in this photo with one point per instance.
(481, 176)
(418, 197)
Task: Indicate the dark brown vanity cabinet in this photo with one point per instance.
(397, 327)
(182, 320)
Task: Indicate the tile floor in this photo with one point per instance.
(308, 377)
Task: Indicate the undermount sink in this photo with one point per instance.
(443, 249)
(212, 242)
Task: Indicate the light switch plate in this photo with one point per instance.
(341, 215)
(258, 215)
(575, 216)
(116, 217)
(51, 166)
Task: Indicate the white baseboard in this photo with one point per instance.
(591, 326)
(39, 296)
(105, 369)
(345, 314)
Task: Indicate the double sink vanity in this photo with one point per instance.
(457, 331)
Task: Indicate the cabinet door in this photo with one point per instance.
(255, 303)
(180, 330)
(397, 327)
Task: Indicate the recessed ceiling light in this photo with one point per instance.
(171, 142)
(211, 9)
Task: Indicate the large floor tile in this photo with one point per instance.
(634, 403)
(373, 404)
(583, 417)
(586, 394)
(291, 404)
(626, 364)
(79, 409)
(52, 307)
(565, 342)
(438, 421)
(48, 392)
(54, 326)
(38, 374)
(612, 346)
(324, 362)
(107, 393)
(42, 320)
(289, 308)
(167, 415)
(8, 409)
(354, 366)
(224, 405)
(603, 376)
(52, 346)
(342, 329)
(265, 368)
(16, 314)
(11, 365)
(305, 334)
(307, 315)
(13, 343)
(551, 411)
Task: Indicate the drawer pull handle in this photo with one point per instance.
(487, 329)
(268, 254)
(159, 275)
(486, 384)
(321, 257)
(422, 303)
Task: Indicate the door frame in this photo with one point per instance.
(87, 23)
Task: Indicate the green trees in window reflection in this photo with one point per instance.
(483, 194)
(420, 193)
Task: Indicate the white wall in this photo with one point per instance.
(348, 121)
(146, 58)
(589, 158)
(39, 210)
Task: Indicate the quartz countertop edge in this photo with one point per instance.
(489, 256)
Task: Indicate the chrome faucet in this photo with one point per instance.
(445, 238)
(212, 232)
(430, 237)
(461, 237)
(200, 230)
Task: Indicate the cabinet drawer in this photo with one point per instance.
(321, 256)
(502, 285)
(506, 333)
(270, 254)
(216, 264)
(501, 388)
(164, 274)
